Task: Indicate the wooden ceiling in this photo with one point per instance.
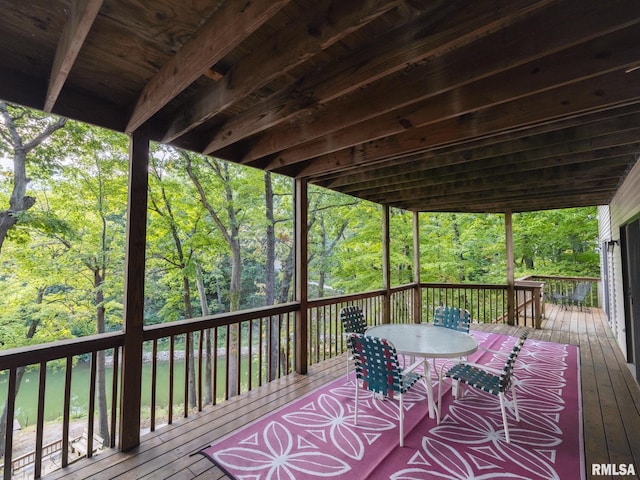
(440, 105)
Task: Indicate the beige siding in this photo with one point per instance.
(607, 261)
(623, 208)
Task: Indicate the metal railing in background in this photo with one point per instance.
(564, 286)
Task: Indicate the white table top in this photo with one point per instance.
(426, 340)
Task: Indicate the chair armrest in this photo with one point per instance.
(445, 366)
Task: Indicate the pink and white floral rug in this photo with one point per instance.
(315, 436)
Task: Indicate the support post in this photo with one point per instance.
(511, 284)
(302, 273)
(417, 294)
(386, 264)
(133, 322)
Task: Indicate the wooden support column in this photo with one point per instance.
(386, 264)
(134, 292)
(302, 274)
(417, 294)
(511, 291)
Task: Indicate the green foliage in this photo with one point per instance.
(557, 242)
(77, 229)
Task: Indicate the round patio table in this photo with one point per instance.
(427, 341)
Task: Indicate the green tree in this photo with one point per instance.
(174, 220)
(93, 204)
(231, 198)
(23, 135)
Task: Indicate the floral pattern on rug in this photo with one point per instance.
(315, 437)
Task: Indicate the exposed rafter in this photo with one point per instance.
(224, 30)
(279, 54)
(443, 105)
(81, 17)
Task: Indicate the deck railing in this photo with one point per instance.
(325, 339)
(64, 354)
(485, 303)
(213, 358)
(566, 285)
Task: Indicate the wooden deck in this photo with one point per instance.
(611, 409)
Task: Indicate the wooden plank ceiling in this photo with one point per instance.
(426, 105)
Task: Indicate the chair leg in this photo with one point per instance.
(455, 386)
(355, 414)
(348, 359)
(504, 416)
(515, 402)
(401, 420)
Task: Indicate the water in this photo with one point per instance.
(26, 407)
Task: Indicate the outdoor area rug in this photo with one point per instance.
(315, 436)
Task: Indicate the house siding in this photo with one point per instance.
(624, 207)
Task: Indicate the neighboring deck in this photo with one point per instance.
(611, 409)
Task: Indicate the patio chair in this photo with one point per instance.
(488, 380)
(353, 321)
(579, 294)
(378, 370)
(452, 317)
(577, 297)
(522, 338)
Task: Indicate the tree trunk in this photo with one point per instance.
(101, 384)
(210, 353)
(188, 310)
(284, 293)
(270, 279)
(231, 234)
(458, 249)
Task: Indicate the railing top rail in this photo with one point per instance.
(45, 352)
(560, 278)
(179, 327)
(319, 302)
(479, 286)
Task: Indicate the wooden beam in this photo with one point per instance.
(527, 195)
(329, 21)
(510, 267)
(133, 323)
(224, 30)
(601, 93)
(522, 189)
(425, 166)
(589, 128)
(457, 83)
(302, 273)
(467, 177)
(445, 28)
(519, 204)
(516, 85)
(81, 18)
(29, 91)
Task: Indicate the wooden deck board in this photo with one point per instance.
(610, 396)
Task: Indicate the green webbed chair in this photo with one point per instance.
(488, 380)
(353, 321)
(452, 317)
(378, 370)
